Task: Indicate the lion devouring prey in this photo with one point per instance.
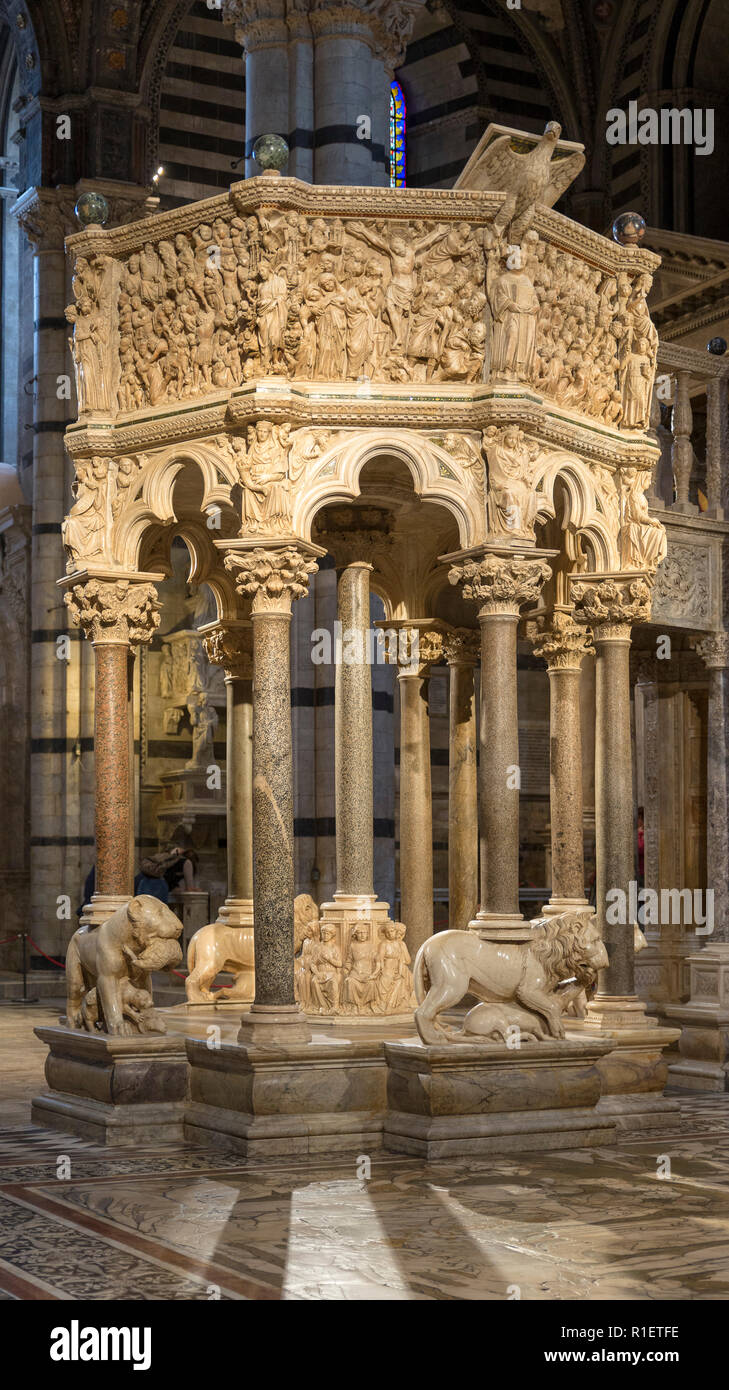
(522, 983)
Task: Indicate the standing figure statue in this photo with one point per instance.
(204, 720)
(514, 307)
(272, 312)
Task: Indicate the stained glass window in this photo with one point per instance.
(398, 116)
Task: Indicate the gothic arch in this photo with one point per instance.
(436, 475)
(152, 502)
(583, 512)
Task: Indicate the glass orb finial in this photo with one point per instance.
(271, 153)
(92, 209)
(629, 229)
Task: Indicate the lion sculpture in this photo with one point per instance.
(108, 968)
(217, 948)
(524, 985)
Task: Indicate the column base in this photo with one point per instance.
(500, 926)
(634, 1072)
(704, 1024)
(235, 912)
(287, 1099)
(349, 909)
(102, 906)
(556, 906)
(271, 1025)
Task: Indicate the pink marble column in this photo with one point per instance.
(115, 614)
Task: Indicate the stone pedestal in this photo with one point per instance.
(634, 1069)
(315, 1098)
(704, 1023)
(122, 1091)
(464, 1098)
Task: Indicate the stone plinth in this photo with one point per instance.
(308, 1098)
(111, 1090)
(461, 1098)
(634, 1070)
(704, 1023)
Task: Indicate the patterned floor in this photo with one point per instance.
(649, 1220)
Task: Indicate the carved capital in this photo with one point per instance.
(46, 216)
(272, 578)
(114, 610)
(561, 641)
(500, 583)
(462, 646)
(231, 646)
(611, 602)
(714, 650)
(257, 23)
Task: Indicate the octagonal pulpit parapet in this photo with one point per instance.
(359, 302)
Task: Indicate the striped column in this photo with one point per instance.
(46, 217)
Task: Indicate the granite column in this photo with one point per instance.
(272, 576)
(500, 583)
(563, 643)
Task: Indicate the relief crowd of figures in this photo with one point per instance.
(326, 299)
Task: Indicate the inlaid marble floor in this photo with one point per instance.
(78, 1222)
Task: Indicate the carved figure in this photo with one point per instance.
(360, 972)
(394, 992)
(514, 306)
(511, 502)
(454, 963)
(263, 471)
(139, 937)
(325, 972)
(204, 720)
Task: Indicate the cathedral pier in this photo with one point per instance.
(499, 584)
(563, 643)
(273, 577)
(320, 76)
(461, 652)
(229, 644)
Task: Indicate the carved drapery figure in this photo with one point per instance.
(511, 502)
(204, 720)
(263, 471)
(514, 306)
(643, 541)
